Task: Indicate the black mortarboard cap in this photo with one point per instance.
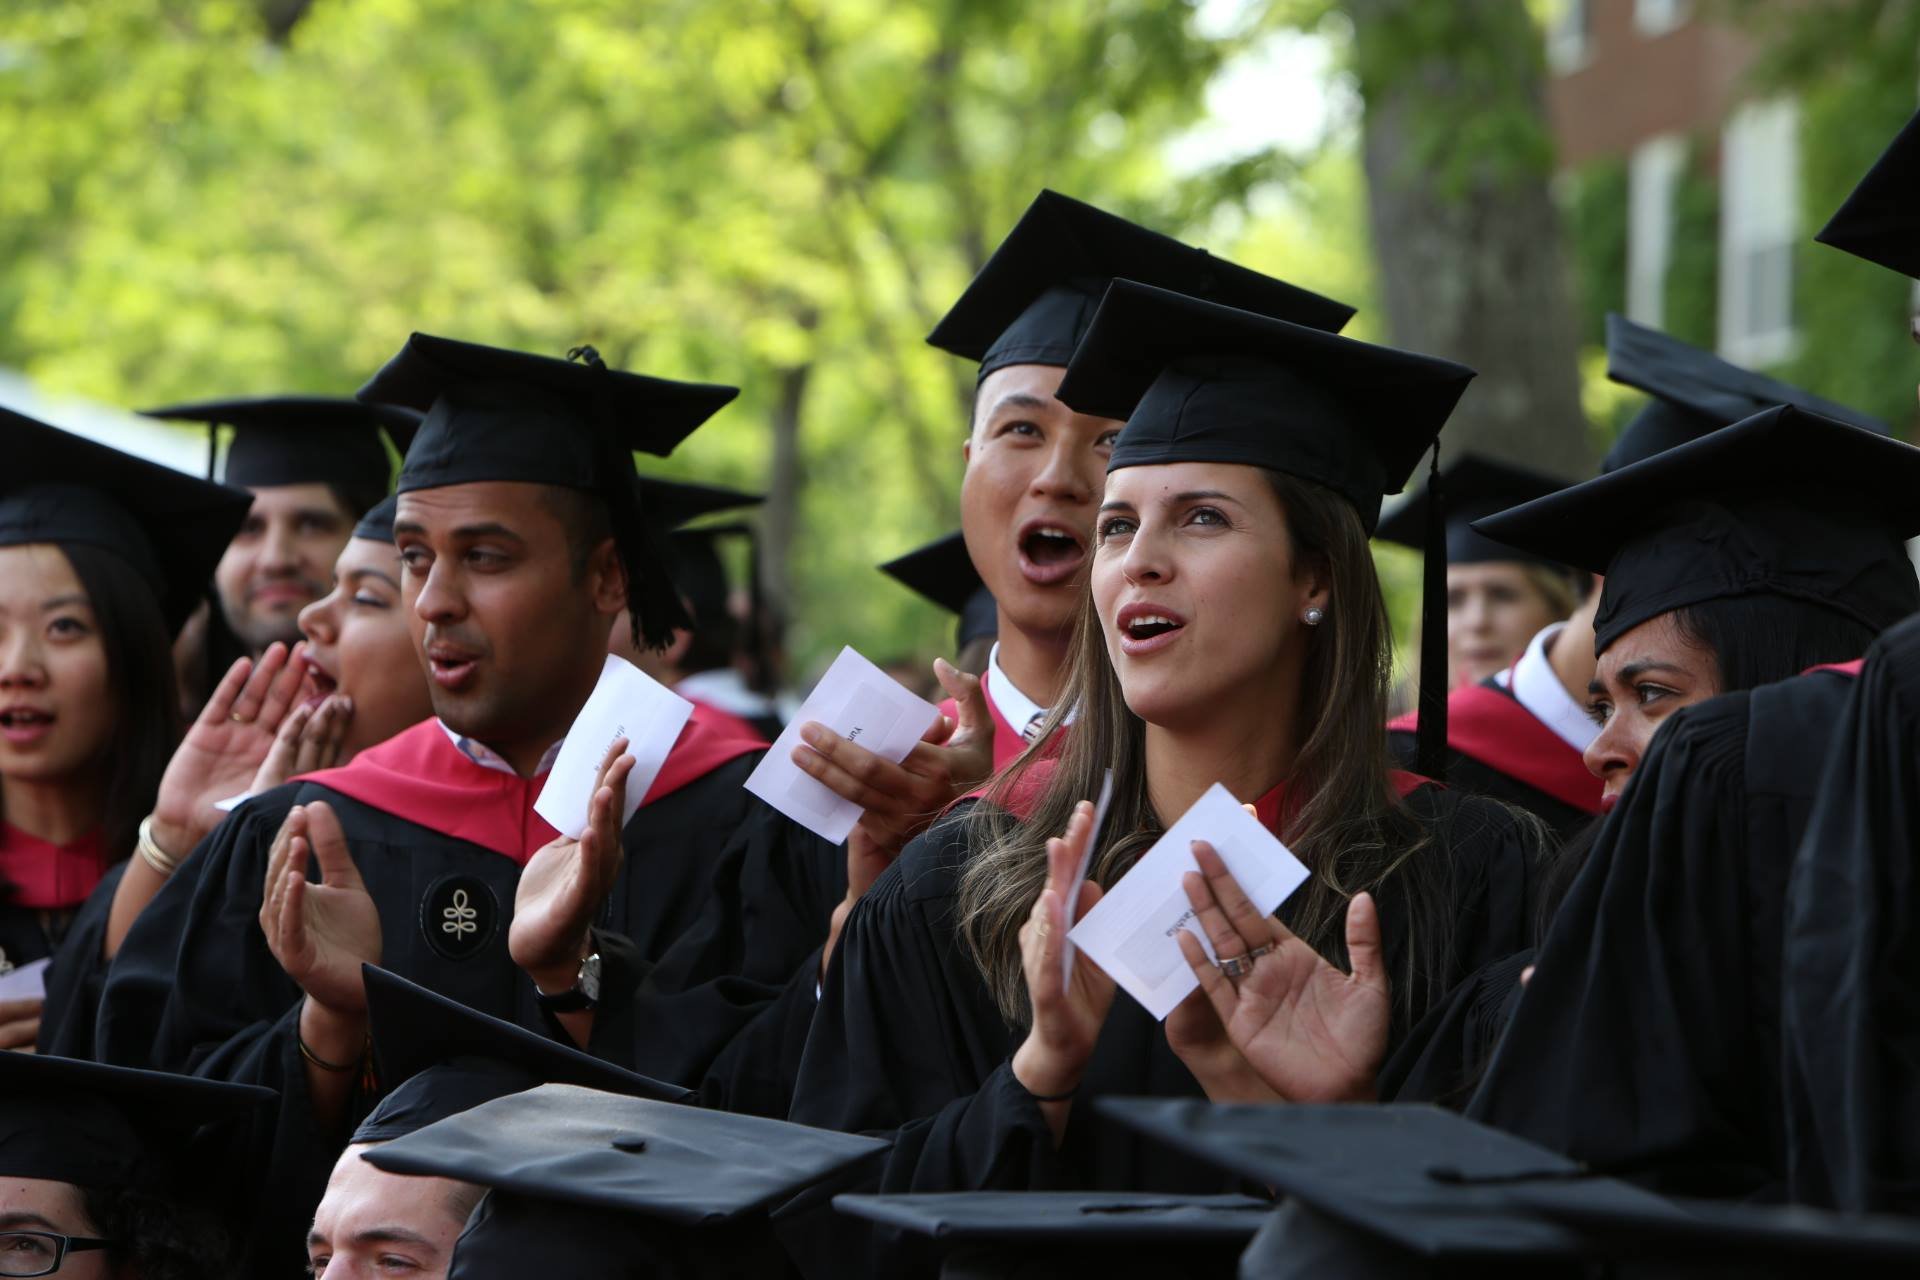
(1426, 1180)
(1693, 392)
(93, 1125)
(63, 488)
(1200, 382)
(1078, 1216)
(1471, 486)
(697, 567)
(377, 524)
(494, 414)
(1785, 503)
(437, 1057)
(662, 1160)
(671, 503)
(301, 439)
(1880, 221)
(943, 572)
(1033, 301)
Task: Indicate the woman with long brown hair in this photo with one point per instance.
(1232, 631)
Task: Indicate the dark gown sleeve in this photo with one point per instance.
(1630, 1049)
(1852, 968)
(78, 974)
(907, 1044)
(194, 990)
(724, 1009)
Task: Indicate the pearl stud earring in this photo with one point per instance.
(1315, 616)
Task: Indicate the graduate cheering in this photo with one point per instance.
(1234, 632)
(520, 545)
(101, 559)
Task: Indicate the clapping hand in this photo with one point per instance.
(320, 933)
(1311, 1032)
(1068, 1012)
(567, 881)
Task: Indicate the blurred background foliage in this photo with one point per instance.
(224, 197)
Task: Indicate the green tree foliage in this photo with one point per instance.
(209, 197)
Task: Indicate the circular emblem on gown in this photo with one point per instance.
(459, 916)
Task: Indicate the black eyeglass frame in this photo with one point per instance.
(64, 1245)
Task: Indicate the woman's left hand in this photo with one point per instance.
(309, 740)
(1310, 1031)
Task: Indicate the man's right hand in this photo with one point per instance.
(320, 933)
(224, 746)
(20, 1023)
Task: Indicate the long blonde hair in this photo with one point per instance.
(1344, 818)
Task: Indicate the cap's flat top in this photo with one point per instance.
(1098, 1217)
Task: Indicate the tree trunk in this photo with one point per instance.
(779, 515)
(1467, 238)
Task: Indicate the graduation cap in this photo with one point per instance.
(93, 1125)
(661, 1160)
(1471, 486)
(672, 503)
(1427, 1182)
(494, 414)
(437, 1058)
(1784, 503)
(1033, 301)
(301, 439)
(1200, 382)
(171, 528)
(697, 567)
(581, 1176)
(1879, 222)
(1693, 392)
(377, 524)
(943, 572)
(1068, 1232)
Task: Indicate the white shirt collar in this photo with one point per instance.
(1536, 686)
(1015, 707)
(487, 758)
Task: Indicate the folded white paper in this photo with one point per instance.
(1080, 874)
(1130, 932)
(862, 704)
(626, 703)
(28, 982)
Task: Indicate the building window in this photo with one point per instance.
(1653, 177)
(1759, 199)
(1569, 35)
(1658, 17)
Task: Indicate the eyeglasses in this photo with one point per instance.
(40, 1253)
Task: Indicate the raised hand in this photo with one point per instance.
(310, 739)
(225, 745)
(567, 881)
(901, 800)
(320, 933)
(1311, 1032)
(1067, 1013)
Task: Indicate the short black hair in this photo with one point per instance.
(585, 520)
(159, 1239)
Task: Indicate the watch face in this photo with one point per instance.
(589, 981)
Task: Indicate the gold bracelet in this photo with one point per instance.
(152, 854)
(320, 1062)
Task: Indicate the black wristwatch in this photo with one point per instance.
(583, 994)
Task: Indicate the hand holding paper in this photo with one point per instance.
(1132, 932)
(861, 703)
(1309, 1031)
(626, 703)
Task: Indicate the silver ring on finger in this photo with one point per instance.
(1235, 967)
(1265, 949)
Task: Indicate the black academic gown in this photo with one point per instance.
(710, 897)
(908, 1042)
(1852, 982)
(1498, 748)
(1647, 1044)
(78, 974)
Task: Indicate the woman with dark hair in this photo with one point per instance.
(1233, 632)
(100, 555)
(1730, 579)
